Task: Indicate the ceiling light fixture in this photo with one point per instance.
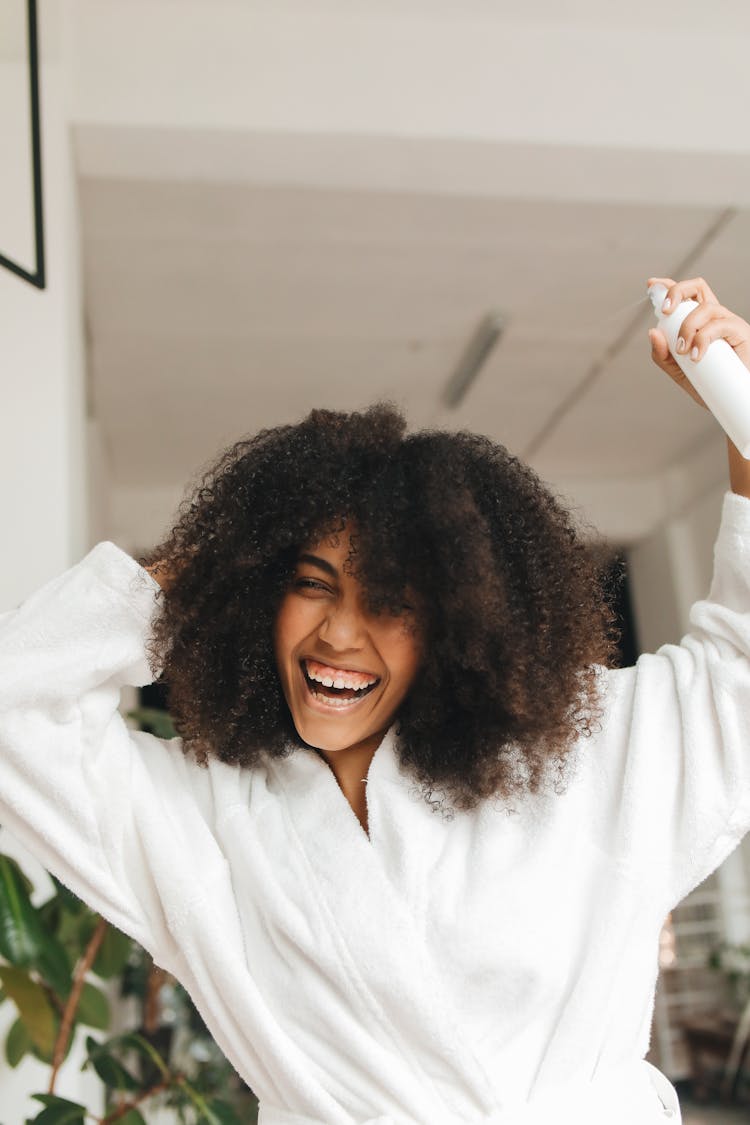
(488, 332)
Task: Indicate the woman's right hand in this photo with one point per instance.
(707, 322)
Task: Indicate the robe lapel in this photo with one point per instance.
(371, 890)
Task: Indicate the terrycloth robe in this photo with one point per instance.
(495, 967)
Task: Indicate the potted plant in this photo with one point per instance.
(54, 959)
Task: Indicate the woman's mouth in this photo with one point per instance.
(335, 689)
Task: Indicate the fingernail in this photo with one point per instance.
(681, 345)
(667, 304)
(694, 354)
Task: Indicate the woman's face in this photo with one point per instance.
(344, 671)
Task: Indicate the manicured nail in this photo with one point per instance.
(667, 305)
(681, 345)
(694, 354)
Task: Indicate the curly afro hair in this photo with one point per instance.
(513, 604)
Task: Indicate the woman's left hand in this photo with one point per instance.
(709, 322)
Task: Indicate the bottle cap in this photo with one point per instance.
(657, 293)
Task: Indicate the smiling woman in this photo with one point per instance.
(338, 544)
(344, 671)
(359, 628)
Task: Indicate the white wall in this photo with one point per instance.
(43, 483)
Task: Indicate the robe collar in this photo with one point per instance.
(373, 890)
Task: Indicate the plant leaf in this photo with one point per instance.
(67, 899)
(93, 1008)
(132, 1117)
(23, 939)
(20, 929)
(59, 1111)
(207, 1111)
(54, 965)
(110, 1070)
(49, 914)
(223, 1112)
(26, 882)
(113, 953)
(138, 1043)
(153, 720)
(17, 1043)
(33, 1006)
(47, 1058)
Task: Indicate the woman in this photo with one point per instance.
(413, 851)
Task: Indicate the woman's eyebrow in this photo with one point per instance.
(320, 563)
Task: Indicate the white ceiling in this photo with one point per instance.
(214, 309)
(286, 205)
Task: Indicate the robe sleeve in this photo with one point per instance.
(85, 794)
(671, 765)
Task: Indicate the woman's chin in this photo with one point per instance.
(336, 734)
(318, 737)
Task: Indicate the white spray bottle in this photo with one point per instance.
(720, 378)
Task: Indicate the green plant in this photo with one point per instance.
(53, 961)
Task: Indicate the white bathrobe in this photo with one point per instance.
(497, 967)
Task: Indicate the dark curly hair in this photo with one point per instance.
(514, 609)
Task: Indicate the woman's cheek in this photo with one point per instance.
(296, 619)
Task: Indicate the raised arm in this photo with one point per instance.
(669, 772)
(84, 793)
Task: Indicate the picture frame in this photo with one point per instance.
(34, 274)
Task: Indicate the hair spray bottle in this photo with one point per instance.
(720, 377)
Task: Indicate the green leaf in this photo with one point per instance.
(82, 925)
(17, 1043)
(138, 1043)
(67, 899)
(50, 914)
(23, 939)
(20, 930)
(54, 965)
(59, 1111)
(113, 953)
(153, 720)
(213, 1111)
(93, 1008)
(33, 1007)
(26, 882)
(47, 1058)
(110, 1070)
(70, 932)
(132, 1117)
(223, 1112)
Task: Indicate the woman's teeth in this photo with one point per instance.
(332, 701)
(338, 688)
(338, 678)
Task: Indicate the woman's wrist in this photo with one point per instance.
(739, 470)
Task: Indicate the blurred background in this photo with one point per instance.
(252, 208)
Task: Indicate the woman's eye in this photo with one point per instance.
(310, 584)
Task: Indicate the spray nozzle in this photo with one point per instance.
(657, 292)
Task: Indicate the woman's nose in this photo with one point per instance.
(343, 626)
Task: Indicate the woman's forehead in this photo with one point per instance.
(340, 548)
